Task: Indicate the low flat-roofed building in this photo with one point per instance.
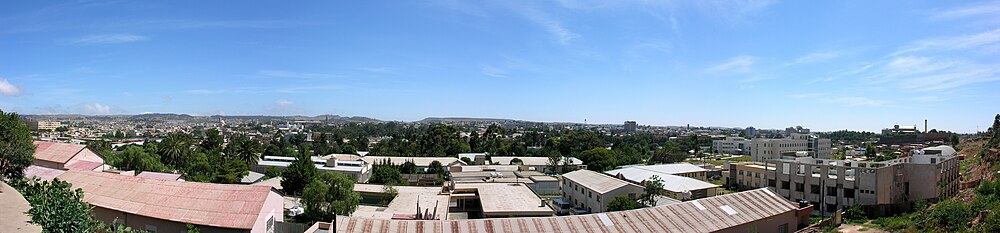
(539, 164)
(421, 162)
(677, 169)
(680, 180)
(66, 156)
(168, 206)
(757, 210)
(499, 200)
(14, 217)
(347, 164)
(405, 204)
(591, 191)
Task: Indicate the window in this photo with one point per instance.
(784, 184)
(799, 187)
(771, 183)
(814, 189)
(831, 191)
(849, 193)
(783, 228)
(741, 172)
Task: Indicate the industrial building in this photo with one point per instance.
(758, 210)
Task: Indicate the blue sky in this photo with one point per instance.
(833, 65)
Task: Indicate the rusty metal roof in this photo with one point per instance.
(55, 151)
(218, 205)
(703, 215)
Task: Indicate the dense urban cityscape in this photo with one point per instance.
(499, 116)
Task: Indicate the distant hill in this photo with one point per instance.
(464, 119)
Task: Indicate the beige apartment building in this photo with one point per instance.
(747, 175)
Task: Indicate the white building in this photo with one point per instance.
(592, 191)
(795, 145)
(730, 145)
(681, 181)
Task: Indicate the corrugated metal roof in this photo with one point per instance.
(83, 165)
(159, 175)
(55, 151)
(43, 173)
(596, 181)
(746, 207)
(670, 182)
(218, 205)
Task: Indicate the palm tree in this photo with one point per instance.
(244, 149)
(174, 148)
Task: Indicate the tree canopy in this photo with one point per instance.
(328, 195)
(16, 148)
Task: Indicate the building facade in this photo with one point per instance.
(747, 175)
(837, 184)
(730, 145)
(795, 145)
(43, 125)
(631, 126)
(592, 191)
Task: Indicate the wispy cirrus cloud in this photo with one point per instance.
(380, 70)
(815, 57)
(107, 39)
(977, 40)
(988, 9)
(740, 64)
(491, 71)
(300, 75)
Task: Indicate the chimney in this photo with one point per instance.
(925, 125)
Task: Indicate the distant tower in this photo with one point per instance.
(925, 125)
(631, 126)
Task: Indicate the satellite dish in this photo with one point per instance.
(686, 195)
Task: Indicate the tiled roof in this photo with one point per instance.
(704, 215)
(596, 181)
(218, 205)
(55, 151)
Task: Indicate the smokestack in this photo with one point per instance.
(925, 125)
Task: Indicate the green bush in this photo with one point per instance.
(56, 206)
(895, 223)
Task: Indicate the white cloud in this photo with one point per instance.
(96, 109)
(736, 64)
(107, 39)
(733, 11)
(981, 9)
(971, 41)
(290, 74)
(380, 70)
(493, 72)
(8, 89)
(815, 57)
(283, 107)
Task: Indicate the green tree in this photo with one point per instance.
(620, 203)
(435, 168)
(299, 174)
(578, 141)
(670, 153)
(598, 159)
(192, 228)
(272, 172)
(328, 195)
(652, 188)
(56, 206)
(516, 161)
(136, 158)
(213, 140)
(408, 167)
(174, 149)
(951, 215)
(16, 146)
(244, 149)
(385, 173)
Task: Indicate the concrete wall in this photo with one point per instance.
(272, 209)
(581, 197)
(770, 224)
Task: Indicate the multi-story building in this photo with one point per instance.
(834, 184)
(681, 181)
(730, 145)
(43, 125)
(795, 145)
(631, 126)
(351, 165)
(747, 175)
(592, 191)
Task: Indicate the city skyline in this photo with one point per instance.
(767, 64)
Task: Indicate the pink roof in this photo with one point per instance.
(43, 173)
(218, 205)
(83, 165)
(159, 175)
(55, 151)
